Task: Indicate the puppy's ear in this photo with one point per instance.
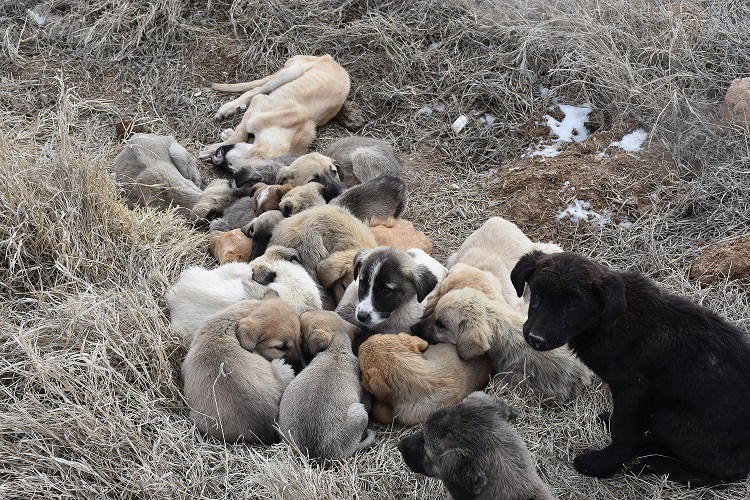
(270, 294)
(247, 331)
(288, 254)
(316, 340)
(424, 281)
(256, 187)
(473, 337)
(359, 259)
(376, 383)
(523, 270)
(245, 175)
(413, 343)
(610, 293)
(284, 175)
(461, 474)
(332, 269)
(284, 189)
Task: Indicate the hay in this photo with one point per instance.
(89, 368)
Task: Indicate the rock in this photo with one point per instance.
(350, 117)
(723, 261)
(736, 106)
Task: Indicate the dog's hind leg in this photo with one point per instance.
(355, 425)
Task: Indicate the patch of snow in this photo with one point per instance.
(548, 151)
(625, 224)
(631, 142)
(489, 120)
(438, 107)
(572, 127)
(425, 111)
(36, 16)
(581, 211)
(543, 91)
(459, 124)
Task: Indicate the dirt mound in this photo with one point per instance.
(721, 261)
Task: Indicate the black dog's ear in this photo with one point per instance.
(610, 293)
(460, 474)
(424, 281)
(359, 260)
(332, 187)
(523, 270)
(245, 175)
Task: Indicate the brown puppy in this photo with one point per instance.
(267, 197)
(234, 373)
(468, 310)
(281, 110)
(336, 272)
(313, 167)
(399, 233)
(230, 246)
(409, 379)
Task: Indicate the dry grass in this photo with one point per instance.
(89, 368)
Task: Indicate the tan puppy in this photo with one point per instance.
(336, 272)
(302, 197)
(468, 310)
(409, 379)
(234, 373)
(313, 167)
(322, 410)
(267, 197)
(230, 246)
(282, 110)
(399, 233)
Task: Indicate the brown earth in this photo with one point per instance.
(729, 260)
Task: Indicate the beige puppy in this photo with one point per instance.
(469, 311)
(282, 111)
(267, 197)
(409, 379)
(363, 158)
(301, 198)
(321, 411)
(234, 373)
(399, 233)
(230, 246)
(313, 167)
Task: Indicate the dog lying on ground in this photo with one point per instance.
(389, 287)
(235, 216)
(468, 310)
(282, 110)
(399, 233)
(230, 246)
(679, 374)
(260, 229)
(363, 158)
(321, 411)
(409, 379)
(475, 451)
(259, 170)
(234, 373)
(200, 292)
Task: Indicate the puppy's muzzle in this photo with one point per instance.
(363, 317)
(537, 342)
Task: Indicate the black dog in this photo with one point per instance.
(679, 374)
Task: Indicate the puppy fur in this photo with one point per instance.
(156, 171)
(363, 158)
(260, 230)
(321, 411)
(679, 373)
(217, 196)
(281, 110)
(230, 246)
(313, 167)
(390, 286)
(409, 379)
(234, 373)
(200, 292)
(235, 216)
(268, 197)
(259, 170)
(381, 197)
(301, 198)
(468, 310)
(476, 452)
(399, 233)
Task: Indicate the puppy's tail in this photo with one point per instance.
(678, 472)
(368, 439)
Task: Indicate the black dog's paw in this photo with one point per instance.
(597, 463)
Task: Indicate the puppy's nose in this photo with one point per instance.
(535, 340)
(363, 316)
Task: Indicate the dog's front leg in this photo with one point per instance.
(627, 436)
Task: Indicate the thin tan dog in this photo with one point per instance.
(409, 379)
(282, 110)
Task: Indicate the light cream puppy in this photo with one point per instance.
(234, 373)
(322, 410)
(301, 198)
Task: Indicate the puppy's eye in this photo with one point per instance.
(283, 347)
(388, 292)
(439, 324)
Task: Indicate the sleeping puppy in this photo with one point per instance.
(268, 197)
(363, 158)
(200, 292)
(399, 233)
(313, 167)
(390, 285)
(235, 216)
(258, 169)
(301, 198)
(381, 197)
(468, 310)
(321, 411)
(281, 110)
(679, 373)
(260, 230)
(230, 246)
(409, 379)
(234, 373)
(475, 451)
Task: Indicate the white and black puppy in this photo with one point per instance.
(388, 289)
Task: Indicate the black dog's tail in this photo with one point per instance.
(678, 472)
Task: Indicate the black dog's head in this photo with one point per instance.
(570, 295)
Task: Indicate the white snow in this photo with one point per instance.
(581, 211)
(459, 124)
(36, 16)
(572, 127)
(632, 142)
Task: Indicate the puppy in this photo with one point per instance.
(230, 246)
(475, 451)
(679, 374)
(409, 379)
(321, 411)
(390, 285)
(281, 111)
(200, 292)
(234, 373)
(217, 196)
(399, 233)
(260, 230)
(301, 198)
(258, 170)
(381, 197)
(468, 310)
(363, 158)
(268, 197)
(313, 167)
(235, 216)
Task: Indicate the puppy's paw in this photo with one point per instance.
(209, 151)
(601, 463)
(230, 109)
(226, 134)
(284, 371)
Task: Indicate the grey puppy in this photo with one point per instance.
(360, 159)
(260, 170)
(237, 215)
(381, 197)
(321, 411)
(475, 451)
